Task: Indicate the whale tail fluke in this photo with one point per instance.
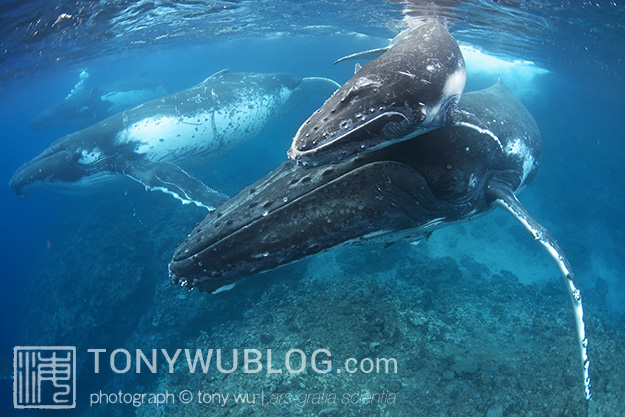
(507, 200)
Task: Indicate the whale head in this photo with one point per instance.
(71, 163)
(412, 88)
(402, 191)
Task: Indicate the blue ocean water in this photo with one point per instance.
(91, 270)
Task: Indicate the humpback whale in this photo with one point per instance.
(403, 191)
(87, 104)
(410, 89)
(155, 142)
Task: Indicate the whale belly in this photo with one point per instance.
(195, 138)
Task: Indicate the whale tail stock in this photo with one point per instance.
(503, 197)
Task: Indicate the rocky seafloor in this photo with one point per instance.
(469, 339)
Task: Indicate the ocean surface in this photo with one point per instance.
(476, 316)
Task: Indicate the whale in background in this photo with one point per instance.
(156, 142)
(87, 104)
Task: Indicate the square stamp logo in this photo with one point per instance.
(44, 377)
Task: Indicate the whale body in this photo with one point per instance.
(403, 191)
(413, 87)
(87, 104)
(156, 142)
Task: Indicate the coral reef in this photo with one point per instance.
(468, 340)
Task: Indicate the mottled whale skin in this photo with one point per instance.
(412, 88)
(402, 191)
(406, 189)
(155, 142)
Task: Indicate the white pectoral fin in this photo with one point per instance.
(367, 55)
(508, 201)
(172, 180)
(309, 86)
(224, 288)
(319, 85)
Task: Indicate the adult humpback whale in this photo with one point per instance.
(412, 88)
(402, 191)
(87, 104)
(154, 143)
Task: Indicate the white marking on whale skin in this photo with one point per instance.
(454, 86)
(482, 131)
(204, 135)
(520, 149)
(430, 113)
(379, 237)
(361, 83)
(432, 224)
(87, 157)
(183, 200)
(407, 74)
(161, 136)
(472, 181)
(385, 236)
(374, 235)
(347, 128)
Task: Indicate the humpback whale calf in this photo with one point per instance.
(155, 142)
(410, 89)
(401, 192)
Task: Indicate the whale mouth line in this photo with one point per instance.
(28, 176)
(186, 256)
(195, 267)
(371, 128)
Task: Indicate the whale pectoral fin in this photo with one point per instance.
(308, 86)
(368, 55)
(319, 85)
(506, 199)
(172, 180)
